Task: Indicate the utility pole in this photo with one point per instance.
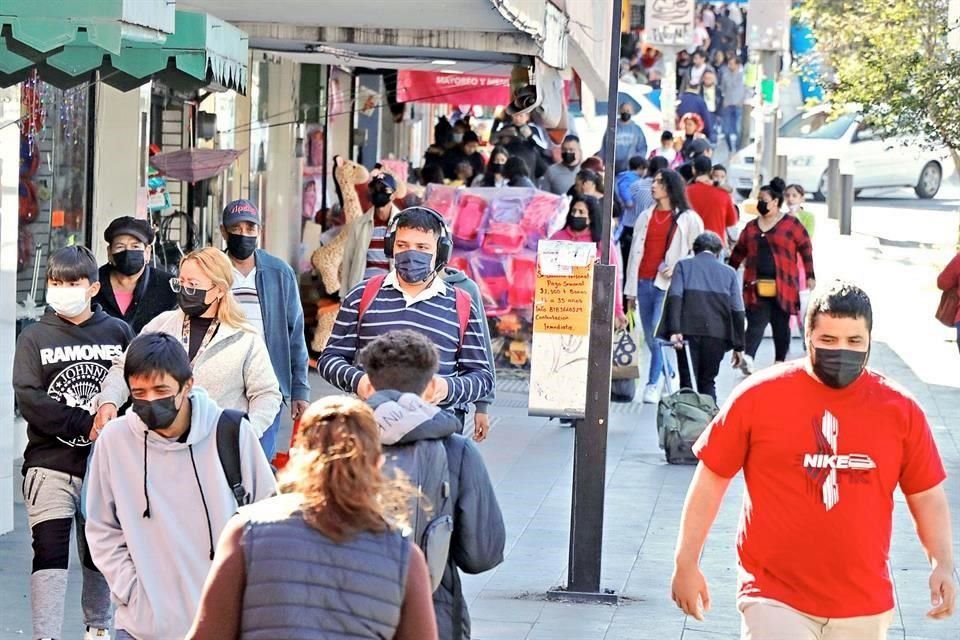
(590, 438)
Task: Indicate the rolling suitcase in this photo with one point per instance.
(682, 414)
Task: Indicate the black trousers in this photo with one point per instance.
(626, 239)
(707, 354)
(767, 311)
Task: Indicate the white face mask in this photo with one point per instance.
(68, 302)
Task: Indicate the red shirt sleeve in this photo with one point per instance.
(723, 446)
(921, 468)
(950, 275)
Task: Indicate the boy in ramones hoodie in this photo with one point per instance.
(58, 367)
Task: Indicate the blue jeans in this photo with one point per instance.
(731, 118)
(650, 305)
(269, 438)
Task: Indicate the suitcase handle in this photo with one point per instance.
(686, 349)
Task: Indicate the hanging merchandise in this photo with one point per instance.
(495, 234)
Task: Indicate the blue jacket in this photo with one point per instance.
(630, 142)
(282, 314)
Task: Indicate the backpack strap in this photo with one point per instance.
(370, 290)
(464, 305)
(228, 448)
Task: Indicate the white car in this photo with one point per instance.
(591, 129)
(811, 139)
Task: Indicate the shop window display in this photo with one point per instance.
(53, 183)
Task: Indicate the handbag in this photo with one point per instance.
(767, 288)
(947, 309)
(626, 350)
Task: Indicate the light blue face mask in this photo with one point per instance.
(413, 266)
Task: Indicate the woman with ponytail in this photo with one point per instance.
(326, 558)
(662, 236)
(769, 247)
(229, 359)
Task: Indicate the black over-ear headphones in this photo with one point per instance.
(444, 243)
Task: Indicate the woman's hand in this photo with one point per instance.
(620, 322)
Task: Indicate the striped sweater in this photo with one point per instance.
(465, 367)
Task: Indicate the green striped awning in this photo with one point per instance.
(201, 50)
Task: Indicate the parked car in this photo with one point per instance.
(811, 139)
(590, 128)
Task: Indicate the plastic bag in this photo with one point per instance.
(469, 222)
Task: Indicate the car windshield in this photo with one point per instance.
(817, 125)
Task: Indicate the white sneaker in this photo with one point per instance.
(746, 365)
(651, 394)
(96, 634)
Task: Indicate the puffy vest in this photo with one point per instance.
(303, 586)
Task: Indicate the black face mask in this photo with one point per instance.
(193, 304)
(497, 167)
(380, 198)
(838, 368)
(129, 261)
(156, 414)
(241, 247)
(626, 116)
(577, 223)
(569, 157)
(763, 207)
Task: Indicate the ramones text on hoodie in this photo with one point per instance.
(57, 371)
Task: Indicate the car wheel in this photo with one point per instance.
(821, 193)
(929, 183)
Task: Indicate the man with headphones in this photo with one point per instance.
(414, 295)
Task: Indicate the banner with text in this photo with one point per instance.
(452, 88)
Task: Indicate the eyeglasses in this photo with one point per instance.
(177, 286)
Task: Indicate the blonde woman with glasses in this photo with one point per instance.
(229, 359)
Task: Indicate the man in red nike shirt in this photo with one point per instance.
(823, 443)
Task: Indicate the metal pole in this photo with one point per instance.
(846, 204)
(590, 440)
(668, 89)
(833, 189)
(769, 61)
(780, 167)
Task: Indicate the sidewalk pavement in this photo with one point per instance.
(530, 462)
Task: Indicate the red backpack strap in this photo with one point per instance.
(464, 304)
(370, 291)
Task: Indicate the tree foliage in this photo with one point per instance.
(891, 57)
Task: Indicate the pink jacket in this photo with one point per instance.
(584, 236)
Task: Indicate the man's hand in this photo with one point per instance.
(689, 590)
(105, 414)
(481, 426)
(943, 593)
(94, 433)
(677, 340)
(299, 406)
(631, 304)
(811, 284)
(737, 359)
(667, 272)
(364, 388)
(440, 390)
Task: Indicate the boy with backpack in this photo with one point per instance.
(164, 480)
(59, 365)
(457, 521)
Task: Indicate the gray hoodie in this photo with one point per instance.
(479, 535)
(460, 280)
(156, 564)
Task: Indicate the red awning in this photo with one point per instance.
(452, 88)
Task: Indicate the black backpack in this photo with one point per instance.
(228, 448)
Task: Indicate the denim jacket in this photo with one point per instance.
(282, 313)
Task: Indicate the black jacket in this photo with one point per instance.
(151, 297)
(57, 370)
(704, 299)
